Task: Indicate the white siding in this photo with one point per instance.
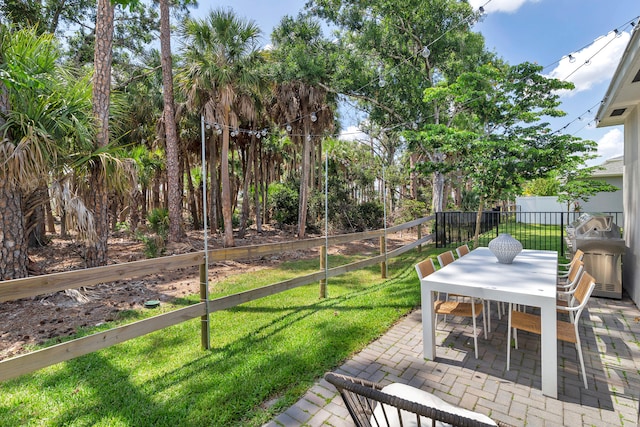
(631, 261)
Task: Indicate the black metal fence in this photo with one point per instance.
(535, 230)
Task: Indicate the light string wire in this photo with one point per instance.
(424, 51)
(287, 125)
(632, 22)
(265, 131)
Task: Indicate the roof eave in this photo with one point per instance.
(622, 78)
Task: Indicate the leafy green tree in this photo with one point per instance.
(505, 142)
(576, 184)
(391, 51)
(547, 186)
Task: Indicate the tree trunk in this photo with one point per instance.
(476, 236)
(136, 201)
(226, 183)
(13, 243)
(413, 177)
(155, 190)
(144, 197)
(248, 175)
(304, 182)
(51, 224)
(214, 200)
(176, 231)
(114, 208)
(35, 217)
(98, 201)
(191, 195)
(438, 192)
(96, 254)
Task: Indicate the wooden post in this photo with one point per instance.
(204, 320)
(383, 264)
(420, 237)
(323, 266)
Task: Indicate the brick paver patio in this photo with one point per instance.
(610, 330)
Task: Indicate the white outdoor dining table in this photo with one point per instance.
(529, 280)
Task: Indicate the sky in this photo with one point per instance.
(574, 40)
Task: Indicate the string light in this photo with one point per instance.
(425, 52)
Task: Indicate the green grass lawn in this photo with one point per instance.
(270, 350)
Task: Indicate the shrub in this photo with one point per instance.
(154, 245)
(411, 209)
(371, 215)
(283, 203)
(159, 221)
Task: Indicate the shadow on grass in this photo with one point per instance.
(166, 379)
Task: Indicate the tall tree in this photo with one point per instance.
(174, 184)
(392, 50)
(96, 254)
(221, 65)
(302, 69)
(507, 142)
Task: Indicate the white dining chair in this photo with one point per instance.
(454, 308)
(462, 250)
(564, 268)
(567, 331)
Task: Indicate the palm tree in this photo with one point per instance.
(221, 61)
(301, 63)
(45, 114)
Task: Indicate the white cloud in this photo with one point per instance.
(610, 145)
(353, 133)
(593, 64)
(508, 6)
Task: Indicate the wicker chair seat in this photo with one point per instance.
(372, 405)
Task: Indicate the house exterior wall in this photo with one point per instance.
(631, 231)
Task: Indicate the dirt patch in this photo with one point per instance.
(30, 321)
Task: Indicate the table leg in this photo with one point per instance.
(549, 350)
(428, 324)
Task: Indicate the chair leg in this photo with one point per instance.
(475, 332)
(579, 351)
(509, 339)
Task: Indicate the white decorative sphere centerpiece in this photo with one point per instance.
(505, 247)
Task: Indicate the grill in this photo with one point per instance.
(600, 240)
